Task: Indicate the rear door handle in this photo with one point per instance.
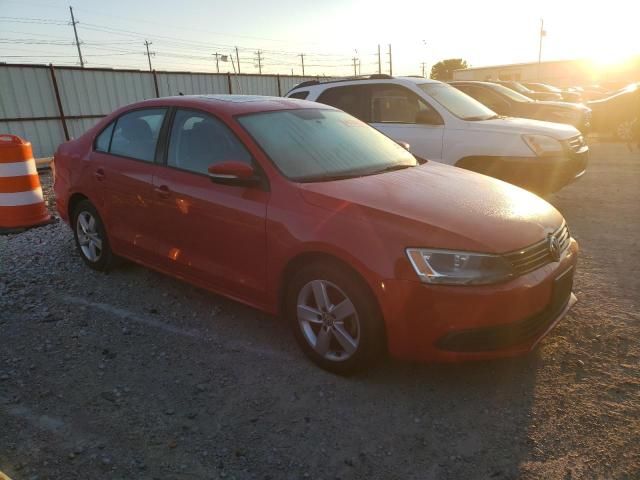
(99, 174)
(163, 191)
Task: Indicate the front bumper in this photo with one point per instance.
(458, 323)
(536, 174)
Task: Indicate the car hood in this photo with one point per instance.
(511, 125)
(557, 105)
(438, 206)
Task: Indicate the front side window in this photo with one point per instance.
(395, 104)
(104, 139)
(198, 141)
(316, 145)
(136, 134)
(459, 104)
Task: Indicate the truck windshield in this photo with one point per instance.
(459, 104)
(512, 94)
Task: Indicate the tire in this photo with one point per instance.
(347, 339)
(91, 237)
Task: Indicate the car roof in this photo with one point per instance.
(227, 104)
(314, 85)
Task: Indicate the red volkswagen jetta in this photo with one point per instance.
(300, 209)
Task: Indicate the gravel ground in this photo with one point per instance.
(135, 375)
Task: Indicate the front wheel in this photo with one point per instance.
(335, 318)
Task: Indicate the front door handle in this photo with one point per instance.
(163, 191)
(99, 174)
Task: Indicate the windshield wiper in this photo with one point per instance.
(482, 117)
(391, 168)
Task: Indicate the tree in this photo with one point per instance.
(443, 70)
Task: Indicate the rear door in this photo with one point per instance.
(124, 162)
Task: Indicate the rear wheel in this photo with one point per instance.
(335, 318)
(91, 237)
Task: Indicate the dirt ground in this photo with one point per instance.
(133, 375)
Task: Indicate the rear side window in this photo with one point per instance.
(199, 140)
(299, 95)
(395, 104)
(136, 134)
(353, 99)
(104, 139)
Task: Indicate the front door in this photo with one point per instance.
(213, 234)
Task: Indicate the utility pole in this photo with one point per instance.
(355, 66)
(146, 44)
(238, 59)
(542, 34)
(379, 61)
(423, 65)
(217, 55)
(75, 32)
(390, 62)
(302, 61)
(259, 53)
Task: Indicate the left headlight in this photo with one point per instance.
(543, 145)
(458, 268)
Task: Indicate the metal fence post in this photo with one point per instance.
(279, 87)
(59, 101)
(229, 83)
(155, 83)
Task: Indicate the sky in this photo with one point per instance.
(329, 33)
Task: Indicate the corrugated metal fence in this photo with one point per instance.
(48, 105)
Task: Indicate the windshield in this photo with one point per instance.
(512, 94)
(315, 144)
(458, 103)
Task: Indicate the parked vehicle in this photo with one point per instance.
(617, 114)
(443, 124)
(566, 95)
(505, 101)
(301, 210)
(532, 94)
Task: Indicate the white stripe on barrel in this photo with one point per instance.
(21, 198)
(18, 169)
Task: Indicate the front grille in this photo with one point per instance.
(505, 336)
(576, 143)
(538, 255)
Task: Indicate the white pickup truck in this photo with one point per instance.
(441, 123)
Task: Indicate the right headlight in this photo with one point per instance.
(458, 268)
(542, 145)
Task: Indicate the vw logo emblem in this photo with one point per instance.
(554, 247)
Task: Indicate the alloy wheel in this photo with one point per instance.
(89, 238)
(328, 320)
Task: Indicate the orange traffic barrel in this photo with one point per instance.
(21, 200)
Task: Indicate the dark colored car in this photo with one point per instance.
(617, 114)
(566, 95)
(527, 92)
(505, 101)
(301, 210)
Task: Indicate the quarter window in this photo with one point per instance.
(104, 139)
(300, 95)
(198, 140)
(136, 134)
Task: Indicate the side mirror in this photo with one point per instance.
(404, 145)
(233, 173)
(428, 117)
